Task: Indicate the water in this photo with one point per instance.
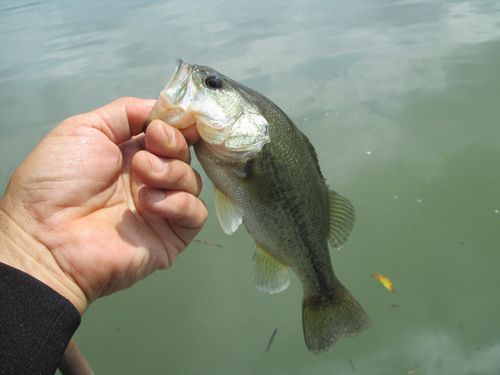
(401, 100)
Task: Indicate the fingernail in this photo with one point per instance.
(158, 165)
(155, 195)
(169, 132)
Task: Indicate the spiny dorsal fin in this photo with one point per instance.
(311, 148)
(268, 274)
(313, 154)
(230, 216)
(341, 219)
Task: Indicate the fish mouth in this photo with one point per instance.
(177, 85)
(241, 134)
(173, 102)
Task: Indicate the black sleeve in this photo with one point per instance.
(36, 324)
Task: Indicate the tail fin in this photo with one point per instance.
(324, 322)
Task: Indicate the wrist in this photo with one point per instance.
(21, 250)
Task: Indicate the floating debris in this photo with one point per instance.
(271, 339)
(384, 280)
(352, 365)
(208, 243)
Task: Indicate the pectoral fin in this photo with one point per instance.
(268, 274)
(260, 188)
(341, 220)
(229, 214)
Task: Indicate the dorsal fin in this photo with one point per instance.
(312, 150)
(342, 218)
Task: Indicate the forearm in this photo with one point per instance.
(37, 324)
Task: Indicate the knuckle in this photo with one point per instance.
(193, 211)
(187, 205)
(178, 175)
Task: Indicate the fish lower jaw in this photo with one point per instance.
(179, 119)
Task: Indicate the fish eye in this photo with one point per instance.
(214, 82)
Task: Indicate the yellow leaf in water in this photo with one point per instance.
(384, 280)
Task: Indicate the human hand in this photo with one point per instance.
(93, 209)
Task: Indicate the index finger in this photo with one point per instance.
(166, 141)
(121, 119)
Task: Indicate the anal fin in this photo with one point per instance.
(269, 274)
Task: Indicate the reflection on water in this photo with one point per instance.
(400, 99)
(437, 352)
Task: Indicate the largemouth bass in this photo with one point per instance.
(266, 174)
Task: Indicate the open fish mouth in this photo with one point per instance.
(173, 103)
(176, 87)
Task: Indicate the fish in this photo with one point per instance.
(266, 175)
